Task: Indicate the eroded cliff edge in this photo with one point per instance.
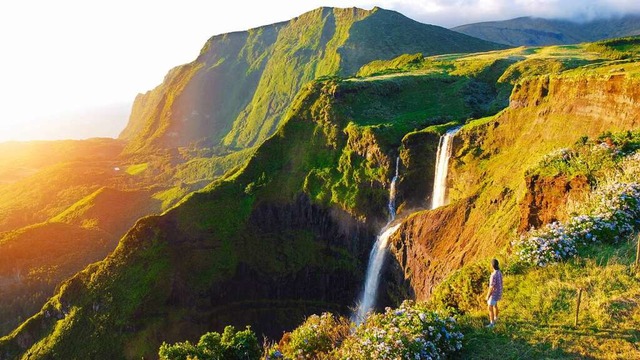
(492, 198)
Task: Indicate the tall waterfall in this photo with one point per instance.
(377, 255)
(442, 166)
(392, 194)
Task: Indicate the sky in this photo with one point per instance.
(68, 62)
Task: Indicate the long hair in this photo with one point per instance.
(495, 264)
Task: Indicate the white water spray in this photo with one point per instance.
(392, 194)
(442, 167)
(376, 257)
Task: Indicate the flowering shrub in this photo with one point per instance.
(612, 214)
(587, 158)
(408, 332)
(314, 339)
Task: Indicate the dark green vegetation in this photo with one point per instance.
(529, 31)
(232, 345)
(286, 233)
(236, 93)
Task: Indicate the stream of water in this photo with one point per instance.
(439, 196)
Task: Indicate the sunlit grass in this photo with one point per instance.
(537, 313)
(137, 169)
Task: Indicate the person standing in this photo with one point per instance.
(495, 292)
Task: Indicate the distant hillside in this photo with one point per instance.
(530, 31)
(236, 92)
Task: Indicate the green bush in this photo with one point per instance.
(463, 290)
(230, 345)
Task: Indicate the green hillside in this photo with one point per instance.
(528, 31)
(286, 234)
(240, 253)
(573, 161)
(331, 157)
(65, 204)
(237, 91)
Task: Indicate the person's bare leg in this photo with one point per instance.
(495, 313)
(491, 314)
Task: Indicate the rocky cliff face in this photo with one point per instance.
(418, 154)
(427, 247)
(610, 100)
(290, 261)
(546, 198)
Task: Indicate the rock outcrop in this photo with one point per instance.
(546, 198)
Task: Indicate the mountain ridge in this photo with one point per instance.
(534, 31)
(235, 93)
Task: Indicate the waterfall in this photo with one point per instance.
(442, 166)
(376, 257)
(392, 194)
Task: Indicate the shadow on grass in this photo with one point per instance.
(528, 340)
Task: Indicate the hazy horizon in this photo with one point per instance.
(106, 120)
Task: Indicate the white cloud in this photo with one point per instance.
(450, 13)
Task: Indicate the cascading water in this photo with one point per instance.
(392, 194)
(442, 166)
(376, 257)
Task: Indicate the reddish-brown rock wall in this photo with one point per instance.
(546, 198)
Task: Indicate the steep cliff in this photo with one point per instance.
(546, 199)
(492, 196)
(237, 91)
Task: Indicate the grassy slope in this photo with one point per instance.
(19, 160)
(241, 84)
(38, 257)
(73, 202)
(322, 151)
(73, 168)
(538, 310)
(35, 259)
